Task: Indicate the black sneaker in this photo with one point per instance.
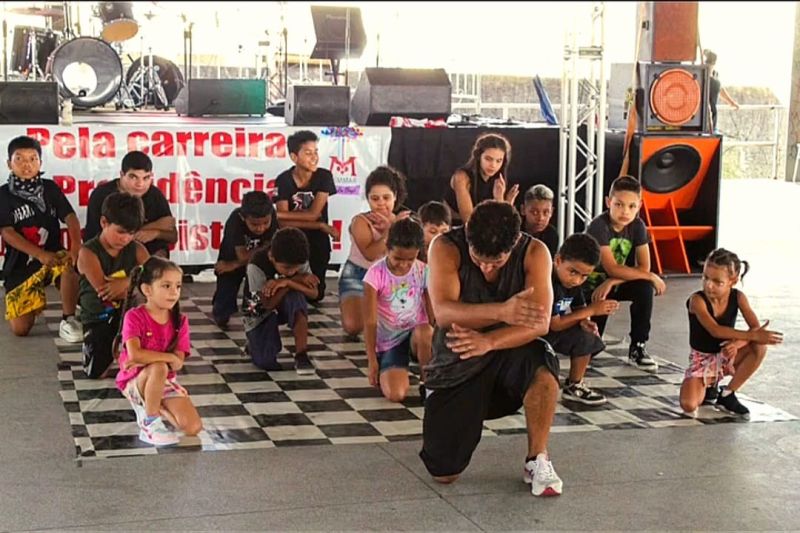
(712, 393)
(579, 392)
(731, 404)
(638, 357)
(302, 364)
(422, 392)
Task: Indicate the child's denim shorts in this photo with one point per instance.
(351, 280)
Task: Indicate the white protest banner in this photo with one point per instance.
(204, 169)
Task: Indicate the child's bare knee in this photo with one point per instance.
(445, 480)
(396, 394)
(20, 329)
(193, 427)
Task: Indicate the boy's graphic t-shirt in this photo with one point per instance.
(301, 199)
(236, 234)
(566, 300)
(401, 301)
(622, 243)
(41, 229)
(137, 323)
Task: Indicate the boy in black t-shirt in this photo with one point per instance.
(30, 210)
(572, 331)
(279, 280)
(136, 178)
(624, 272)
(537, 209)
(250, 226)
(302, 201)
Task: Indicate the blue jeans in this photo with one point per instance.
(264, 341)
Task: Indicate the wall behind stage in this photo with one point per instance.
(204, 169)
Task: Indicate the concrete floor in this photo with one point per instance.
(717, 477)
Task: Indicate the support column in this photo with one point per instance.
(793, 136)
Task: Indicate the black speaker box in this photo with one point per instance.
(318, 105)
(28, 102)
(386, 92)
(222, 97)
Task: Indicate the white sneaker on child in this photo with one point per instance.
(157, 433)
(542, 477)
(71, 330)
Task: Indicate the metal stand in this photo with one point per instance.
(573, 115)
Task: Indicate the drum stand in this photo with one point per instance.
(145, 85)
(31, 51)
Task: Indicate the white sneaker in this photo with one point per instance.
(157, 433)
(71, 330)
(541, 476)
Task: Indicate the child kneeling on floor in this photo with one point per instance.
(396, 311)
(717, 348)
(155, 342)
(572, 331)
(280, 282)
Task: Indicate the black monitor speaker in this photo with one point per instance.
(222, 97)
(318, 105)
(28, 102)
(385, 92)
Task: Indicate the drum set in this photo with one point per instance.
(89, 70)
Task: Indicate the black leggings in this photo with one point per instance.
(640, 293)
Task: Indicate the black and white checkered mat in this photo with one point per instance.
(243, 407)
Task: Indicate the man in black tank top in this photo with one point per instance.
(491, 292)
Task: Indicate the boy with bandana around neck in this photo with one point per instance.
(31, 210)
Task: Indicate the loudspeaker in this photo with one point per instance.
(386, 92)
(669, 31)
(222, 97)
(318, 105)
(670, 98)
(330, 27)
(680, 177)
(28, 102)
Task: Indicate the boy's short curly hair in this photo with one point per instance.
(124, 210)
(493, 228)
(580, 247)
(290, 246)
(296, 140)
(257, 204)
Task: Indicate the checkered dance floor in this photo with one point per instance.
(243, 407)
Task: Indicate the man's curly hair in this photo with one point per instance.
(493, 228)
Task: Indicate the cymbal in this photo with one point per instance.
(53, 11)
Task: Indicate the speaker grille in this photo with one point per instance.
(675, 97)
(670, 168)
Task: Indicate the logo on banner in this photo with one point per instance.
(340, 167)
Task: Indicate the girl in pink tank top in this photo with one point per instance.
(385, 189)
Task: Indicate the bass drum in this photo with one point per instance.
(168, 73)
(88, 71)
